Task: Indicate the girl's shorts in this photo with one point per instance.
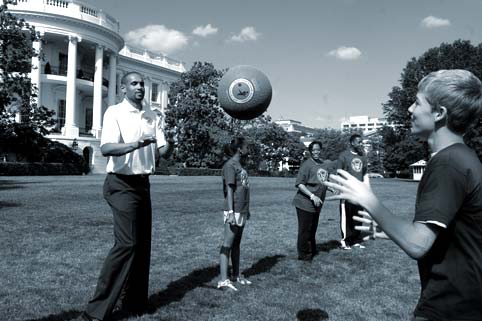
(239, 219)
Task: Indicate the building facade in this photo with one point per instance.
(82, 59)
(296, 128)
(365, 124)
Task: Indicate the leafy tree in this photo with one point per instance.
(269, 142)
(334, 142)
(17, 93)
(202, 128)
(193, 115)
(401, 148)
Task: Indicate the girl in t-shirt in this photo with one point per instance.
(236, 211)
(309, 199)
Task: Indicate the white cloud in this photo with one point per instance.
(157, 38)
(246, 34)
(346, 53)
(204, 31)
(434, 22)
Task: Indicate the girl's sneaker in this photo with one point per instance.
(243, 281)
(226, 284)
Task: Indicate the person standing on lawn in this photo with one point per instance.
(132, 134)
(445, 236)
(354, 161)
(309, 198)
(236, 211)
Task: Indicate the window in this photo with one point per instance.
(155, 92)
(61, 114)
(88, 119)
(63, 61)
(346, 126)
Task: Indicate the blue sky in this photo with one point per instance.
(326, 59)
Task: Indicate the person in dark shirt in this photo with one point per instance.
(354, 161)
(236, 211)
(445, 236)
(309, 199)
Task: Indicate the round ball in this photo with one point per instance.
(244, 92)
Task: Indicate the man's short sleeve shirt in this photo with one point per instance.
(124, 123)
(353, 163)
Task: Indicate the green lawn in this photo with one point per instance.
(56, 231)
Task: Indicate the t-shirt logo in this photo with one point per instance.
(322, 175)
(244, 178)
(356, 164)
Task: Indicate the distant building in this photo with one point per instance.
(365, 124)
(295, 127)
(417, 169)
(84, 59)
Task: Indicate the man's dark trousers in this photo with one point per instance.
(124, 278)
(347, 224)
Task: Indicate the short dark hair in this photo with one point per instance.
(313, 143)
(353, 137)
(236, 143)
(124, 78)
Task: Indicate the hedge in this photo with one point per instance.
(191, 171)
(35, 169)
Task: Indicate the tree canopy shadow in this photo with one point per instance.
(62, 316)
(11, 184)
(311, 315)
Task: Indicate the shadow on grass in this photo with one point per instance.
(63, 316)
(176, 290)
(10, 184)
(311, 315)
(328, 246)
(263, 265)
(9, 204)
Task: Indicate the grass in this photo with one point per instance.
(56, 231)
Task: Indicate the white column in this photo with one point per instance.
(164, 96)
(71, 128)
(147, 86)
(37, 70)
(112, 78)
(97, 105)
(120, 95)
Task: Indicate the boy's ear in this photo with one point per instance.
(441, 113)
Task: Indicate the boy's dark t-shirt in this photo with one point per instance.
(236, 176)
(312, 175)
(354, 164)
(450, 196)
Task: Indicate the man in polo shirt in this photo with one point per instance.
(131, 135)
(354, 161)
(445, 236)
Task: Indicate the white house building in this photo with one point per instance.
(84, 58)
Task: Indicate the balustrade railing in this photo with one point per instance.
(73, 8)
